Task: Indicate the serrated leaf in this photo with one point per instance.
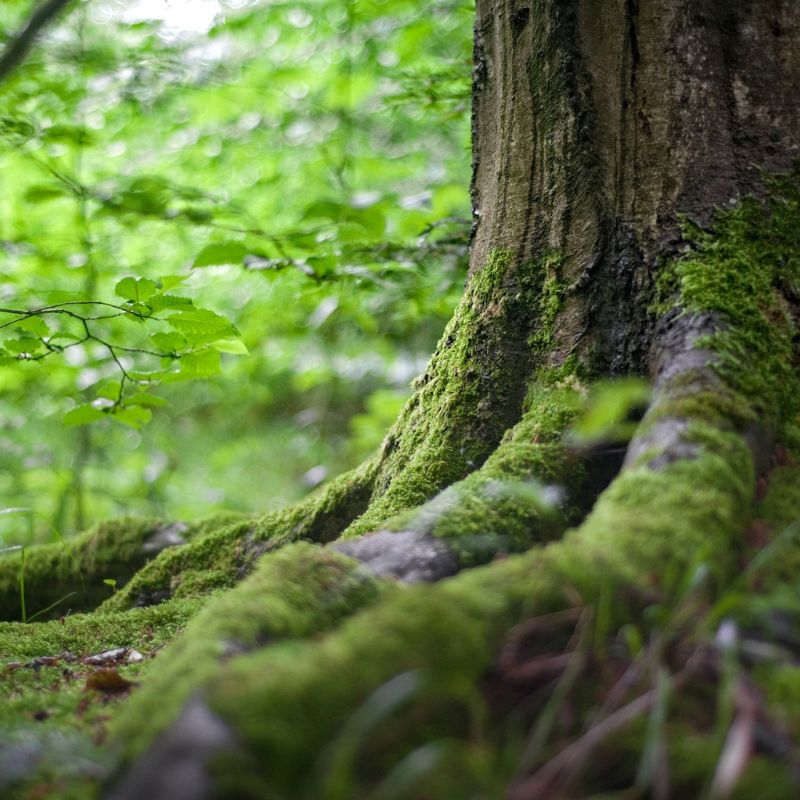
(25, 345)
(146, 289)
(108, 389)
(202, 364)
(171, 281)
(136, 289)
(65, 336)
(235, 346)
(201, 326)
(139, 309)
(132, 416)
(147, 400)
(126, 289)
(169, 342)
(83, 415)
(214, 255)
(35, 325)
(159, 302)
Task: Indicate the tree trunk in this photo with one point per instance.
(599, 125)
(603, 129)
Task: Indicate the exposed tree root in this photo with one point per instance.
(71, 575)
(224, 555)
(285, 703)
(295, 713)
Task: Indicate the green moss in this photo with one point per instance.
(74, 570)
(549, 302)
(52, 727)
(635, 533)
(743, 273)
(83, 634)
(294, 593)
(306, 647)
(289, 702)
(473, 388)
(781, 505)
(220, 557)
(503, 505)
(693, 760)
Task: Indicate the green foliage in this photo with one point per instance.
(611, 409)
(249, 195)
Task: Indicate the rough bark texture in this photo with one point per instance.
(319, 672)
(599, 124)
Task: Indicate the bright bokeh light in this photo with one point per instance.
(176, 16)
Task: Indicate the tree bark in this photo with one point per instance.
(598, 125)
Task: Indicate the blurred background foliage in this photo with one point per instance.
(300, 169)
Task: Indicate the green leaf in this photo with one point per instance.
(108, 389)
(65, 336)
(159, 302)
(201, 326)
(608, 410)
(198, 214)
(235, 346)
(139, 310)
(83, 415)
(169, 342)
(171, 281)
(132, 416)
(43, 193)
(66, 132)
(326, 209)
(148, 400)
(145, 195)
(148, 376)
(136, 289)
(35, 325)
(202, 364)
(25, 345)
(214, 255)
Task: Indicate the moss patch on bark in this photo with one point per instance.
(525, 492)
(469, 395)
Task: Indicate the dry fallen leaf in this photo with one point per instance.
(108, 681)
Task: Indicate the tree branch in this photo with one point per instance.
(19, 46)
